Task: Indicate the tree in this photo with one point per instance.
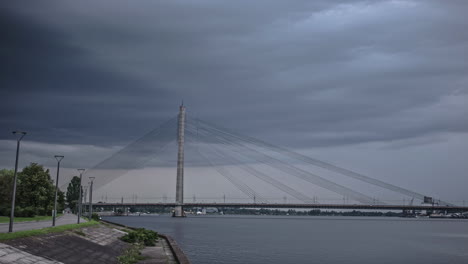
(6, 188)
(36, 189)
(73, 193)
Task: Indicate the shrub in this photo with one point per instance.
(95, 217)
(131, 255)
(41, 211)
(18, 212)
(29, 211)
(5, 211)
(141, 235)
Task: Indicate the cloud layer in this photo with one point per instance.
(95, 75)
(322, 73)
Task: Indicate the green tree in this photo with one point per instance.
(36, 190)
(73, 193)
(60, 201)
(6, 188)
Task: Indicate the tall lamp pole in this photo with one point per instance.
(59, 159)
(80, 197)
(91, 197)
(85, 195)
(13, 195)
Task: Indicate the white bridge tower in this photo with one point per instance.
(179, 210)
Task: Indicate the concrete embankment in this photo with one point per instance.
(176, 251)
(93, 244)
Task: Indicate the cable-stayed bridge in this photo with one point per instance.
(240, 159)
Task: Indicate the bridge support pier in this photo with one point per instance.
(179, 210)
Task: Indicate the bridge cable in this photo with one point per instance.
(292, 170)
(277, 184)
(234, 181)
(134, 155)
(322, 164)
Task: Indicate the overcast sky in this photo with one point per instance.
(378, 86)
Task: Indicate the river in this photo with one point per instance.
(236, 239)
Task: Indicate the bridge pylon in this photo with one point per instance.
(179, 210)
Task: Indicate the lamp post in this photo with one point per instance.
(80, 197)
(13, 195)
(91, 197)
(85, 195)
(59, 159)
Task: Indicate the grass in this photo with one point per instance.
(132, 255)
(126, 230)
(43, 231)
(6, 219)
(79, 232)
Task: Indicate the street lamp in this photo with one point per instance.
(13, 195)
(85, 195)
(59, 159)
(91, 197)
(80, 198)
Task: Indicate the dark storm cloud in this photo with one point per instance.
(304, 73)
(55, 90)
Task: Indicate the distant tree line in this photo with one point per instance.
(240, 211)
(315, 212)
(35, 192)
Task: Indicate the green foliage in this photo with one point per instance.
(131, 255)
(6, 187)
(36, 189)
(25, 212)
(60, 201)
(79, 232)
(5, 219)
(73, 193)
(47, 230)
(5, 210)
(95, 217)
(35, 192)
(141, 235)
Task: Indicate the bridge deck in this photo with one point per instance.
(301, 206)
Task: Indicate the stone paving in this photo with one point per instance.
(10, 255)
(71, 247)
(102, 235)
(20, 226)
(94, 244)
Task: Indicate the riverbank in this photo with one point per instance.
(84, 243)
(178, 254)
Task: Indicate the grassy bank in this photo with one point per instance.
(6, 219)
(47, 230)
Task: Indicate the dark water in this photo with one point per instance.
(286, 239)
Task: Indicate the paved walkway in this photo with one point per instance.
(93, 244)
(74, 247)
(20, 226)
(9, 254)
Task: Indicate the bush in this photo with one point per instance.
(25, 212)
(131, 255)
(18, 212)
(41, 211)
(29, 211)
(95, 217)
(141, 235)
(5, 211)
